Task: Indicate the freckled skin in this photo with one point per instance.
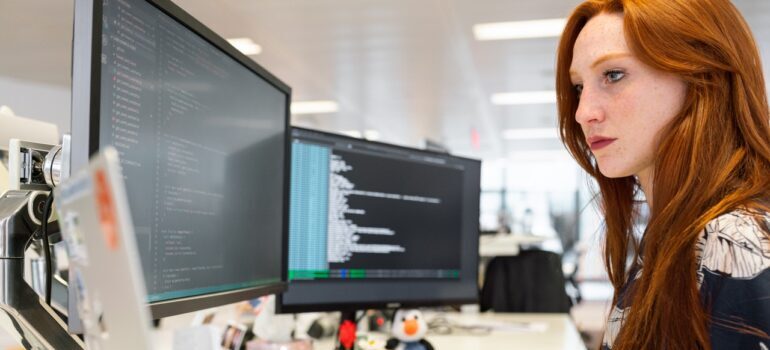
(631, 105)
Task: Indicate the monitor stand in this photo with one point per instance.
(25, 316)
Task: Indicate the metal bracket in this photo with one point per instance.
(24, 315)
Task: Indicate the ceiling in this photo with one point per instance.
(409, 69)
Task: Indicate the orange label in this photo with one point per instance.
(107, 215)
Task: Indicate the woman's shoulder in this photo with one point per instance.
(740, 224)
(734, 279)
(736, 244)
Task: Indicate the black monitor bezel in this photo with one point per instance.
(383, 304)
(88, 76)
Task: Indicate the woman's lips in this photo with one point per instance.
(600, 143)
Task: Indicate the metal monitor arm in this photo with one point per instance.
(33, 170)
(24, 314)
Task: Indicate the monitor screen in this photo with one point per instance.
(377, 225)
(201, 132)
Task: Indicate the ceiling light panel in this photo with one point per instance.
(542, 28)
(246, 46)
(314, 107)
(524, 98)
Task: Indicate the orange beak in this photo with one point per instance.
(410, 327)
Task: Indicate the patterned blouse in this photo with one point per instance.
(734, 277)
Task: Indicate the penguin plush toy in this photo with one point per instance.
(408, 330)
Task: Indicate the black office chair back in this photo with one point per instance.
(532, 281)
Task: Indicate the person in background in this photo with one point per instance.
(667, 97)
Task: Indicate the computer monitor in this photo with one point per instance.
(202, 134)
(374, 225)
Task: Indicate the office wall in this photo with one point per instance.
(39, 101)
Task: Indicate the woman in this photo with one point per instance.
(667, 97)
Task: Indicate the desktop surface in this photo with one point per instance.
(511, 332)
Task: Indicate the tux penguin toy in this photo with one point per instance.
(408, 330)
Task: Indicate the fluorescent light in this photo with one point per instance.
(352, 133)
(541, 28)
(524, 97)
(531, 134)
(246, 46)
(372, 135)
(314, 107)
(369, 134)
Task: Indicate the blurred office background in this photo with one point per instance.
(409, 72)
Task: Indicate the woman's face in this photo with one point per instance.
(623, 103)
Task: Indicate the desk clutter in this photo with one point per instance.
(433, 329)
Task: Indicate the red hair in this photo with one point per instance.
(713, 157)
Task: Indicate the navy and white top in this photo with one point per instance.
(733, 255)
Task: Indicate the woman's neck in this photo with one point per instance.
(645, 181)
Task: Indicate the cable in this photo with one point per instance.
(47, 248)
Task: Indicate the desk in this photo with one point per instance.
(506, 244)
(559, 333)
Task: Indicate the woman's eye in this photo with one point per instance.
(578, 89)
(614, 76)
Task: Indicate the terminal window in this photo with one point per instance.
(370, 211)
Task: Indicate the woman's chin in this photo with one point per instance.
(613, 172)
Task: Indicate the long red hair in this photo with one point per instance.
(713, 157)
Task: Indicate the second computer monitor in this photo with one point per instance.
(375, 225)
(202, 134)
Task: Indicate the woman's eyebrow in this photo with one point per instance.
(608, 57)
(600, 60)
